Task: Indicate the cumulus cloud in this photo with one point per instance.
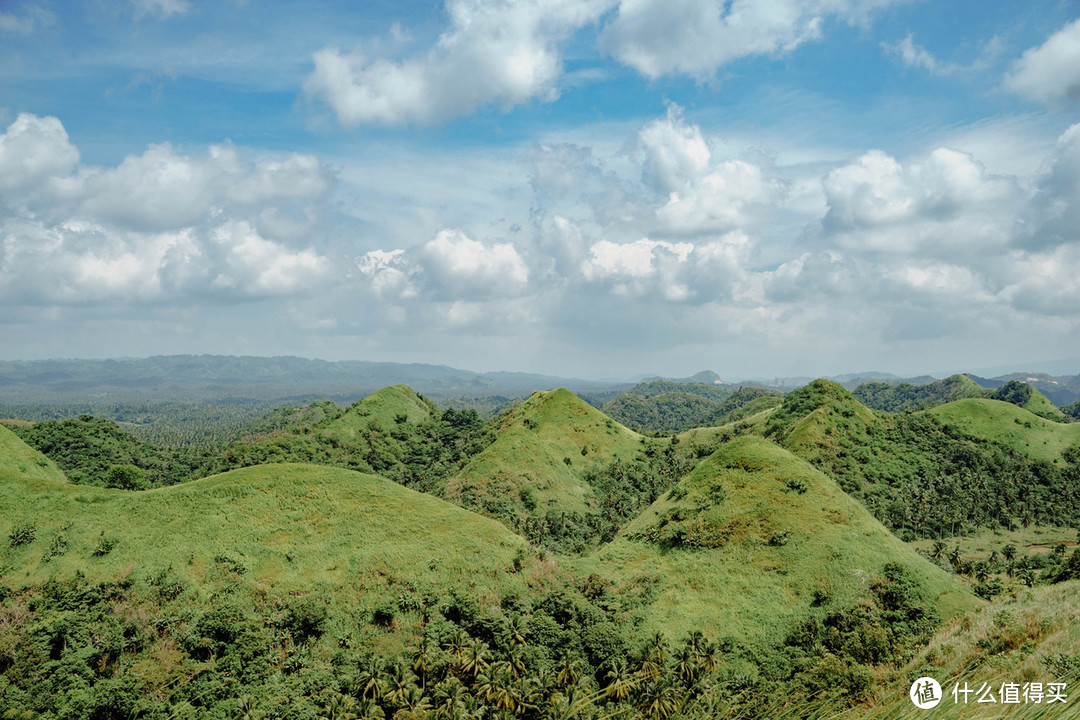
(160, 226)
(450, 266)
(1050, 71)
(502, 53)
(696, 37)
(1053, 217)
(946, 201)
(734, 195)
(675, 272)
(34, 149)
(675, 153)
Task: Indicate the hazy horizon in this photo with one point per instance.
(589, 188)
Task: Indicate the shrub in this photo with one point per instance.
(23, 534)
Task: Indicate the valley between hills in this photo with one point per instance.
(738, 553)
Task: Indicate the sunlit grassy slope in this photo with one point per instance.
(1013, 426)
(772, 530)
(385, 407)
(546, 445)
(287, 526)
(18, 458)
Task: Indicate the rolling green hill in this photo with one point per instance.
(19, 459)
(905, 396)
(754, 537)
(385, 407)
(1010, 425)
(290, 527)
(543, 450)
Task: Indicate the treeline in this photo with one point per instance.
(924, 479)
(666, 406)
(150, 647)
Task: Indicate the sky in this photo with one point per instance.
(586, 188)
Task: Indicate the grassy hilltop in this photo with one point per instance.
(543, 450)
(754, 538)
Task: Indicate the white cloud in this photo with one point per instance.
(945, 202)
(696, 37)
(916, 56)
(733, 195)
(1053, 216)
(502, 53)
(675, 153)
(1050, 71)
(464, 267)
(257, 266)
(34, 149)
(160, 226)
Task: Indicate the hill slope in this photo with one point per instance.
(543, 450)
(291, 525)
(742, 543)
(1013, 426)
(905, 396)
(19, 459)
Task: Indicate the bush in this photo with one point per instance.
(126, 477)
(22, 534)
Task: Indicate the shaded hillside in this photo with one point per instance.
(905, 396)
(89, 451)
(664, 412)
(1025, 396)
(394, 432)
(666, 406)
(542, 451)
(754, 541)
(932, 473)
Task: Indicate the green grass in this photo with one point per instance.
(384, 408)
(750, 585)
(1035, 540)
(18, 458)
(545, 446)
(1013, 426)
(292, 527)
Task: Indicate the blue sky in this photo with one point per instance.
(597, 188)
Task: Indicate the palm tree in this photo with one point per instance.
(370, 682)
(516, 631)
(569, 670)
(475, 657)
(658, 701)
(399, 681)
(339, 707)
(620, 681)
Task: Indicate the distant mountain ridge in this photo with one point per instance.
(223, 377)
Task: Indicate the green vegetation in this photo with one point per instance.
(897, 397)
(91, 451)
(1011, 426)
(722, 572)
(932, 474)
(664, 406)
(747, 538)
(543, 450)
(1027, 397)
(17, 459)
